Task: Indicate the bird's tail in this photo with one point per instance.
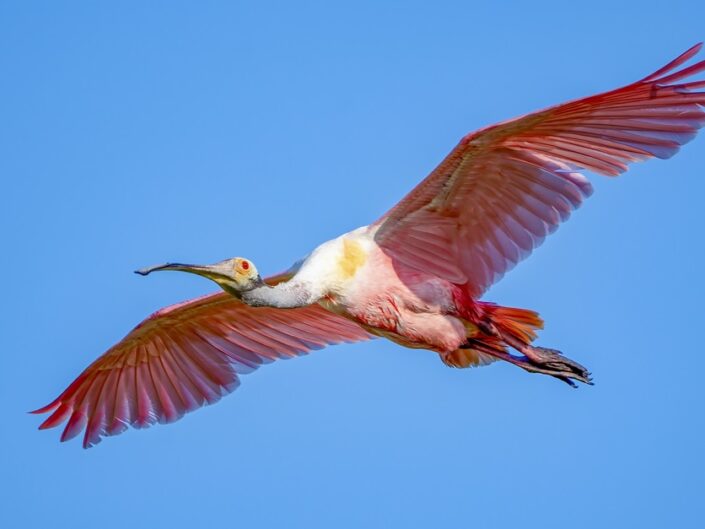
(520, 324)
(512, 325)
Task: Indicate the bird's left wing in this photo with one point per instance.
(185, 356)
(504, 188)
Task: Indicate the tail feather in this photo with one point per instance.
(521, 324)
(462, 358)
(475, 353)
(513, 325)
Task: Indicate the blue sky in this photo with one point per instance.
(137, 134)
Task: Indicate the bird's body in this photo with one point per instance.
(356, 279)
(415, 276)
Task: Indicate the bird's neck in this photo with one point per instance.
(288, 295)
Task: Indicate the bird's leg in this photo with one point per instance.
(528, 365)
(538, 359)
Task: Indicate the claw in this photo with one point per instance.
(567, 381)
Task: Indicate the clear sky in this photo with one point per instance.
(195, 131)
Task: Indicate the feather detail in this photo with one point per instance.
(184, 357)
(504, 188)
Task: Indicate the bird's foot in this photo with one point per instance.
(556, 365)
(552, 362)
(538, 360)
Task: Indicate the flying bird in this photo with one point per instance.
(415, 276)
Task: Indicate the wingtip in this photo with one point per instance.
(90, 442)
(46, 425)
(675, 63)
(690, 52)
(46, 409)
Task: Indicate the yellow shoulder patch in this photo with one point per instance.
(352, 258)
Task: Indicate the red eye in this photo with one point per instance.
(245, 265)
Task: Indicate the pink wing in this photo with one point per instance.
(186, 356)
(498, 194)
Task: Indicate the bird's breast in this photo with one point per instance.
(352, 257)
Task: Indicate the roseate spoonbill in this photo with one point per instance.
(414, 276)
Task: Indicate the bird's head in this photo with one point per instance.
(234, 275)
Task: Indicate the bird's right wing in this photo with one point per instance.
(504, 188)
(185, 356)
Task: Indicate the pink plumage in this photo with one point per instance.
(504, 188)
(415, 276)
(186, 356)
